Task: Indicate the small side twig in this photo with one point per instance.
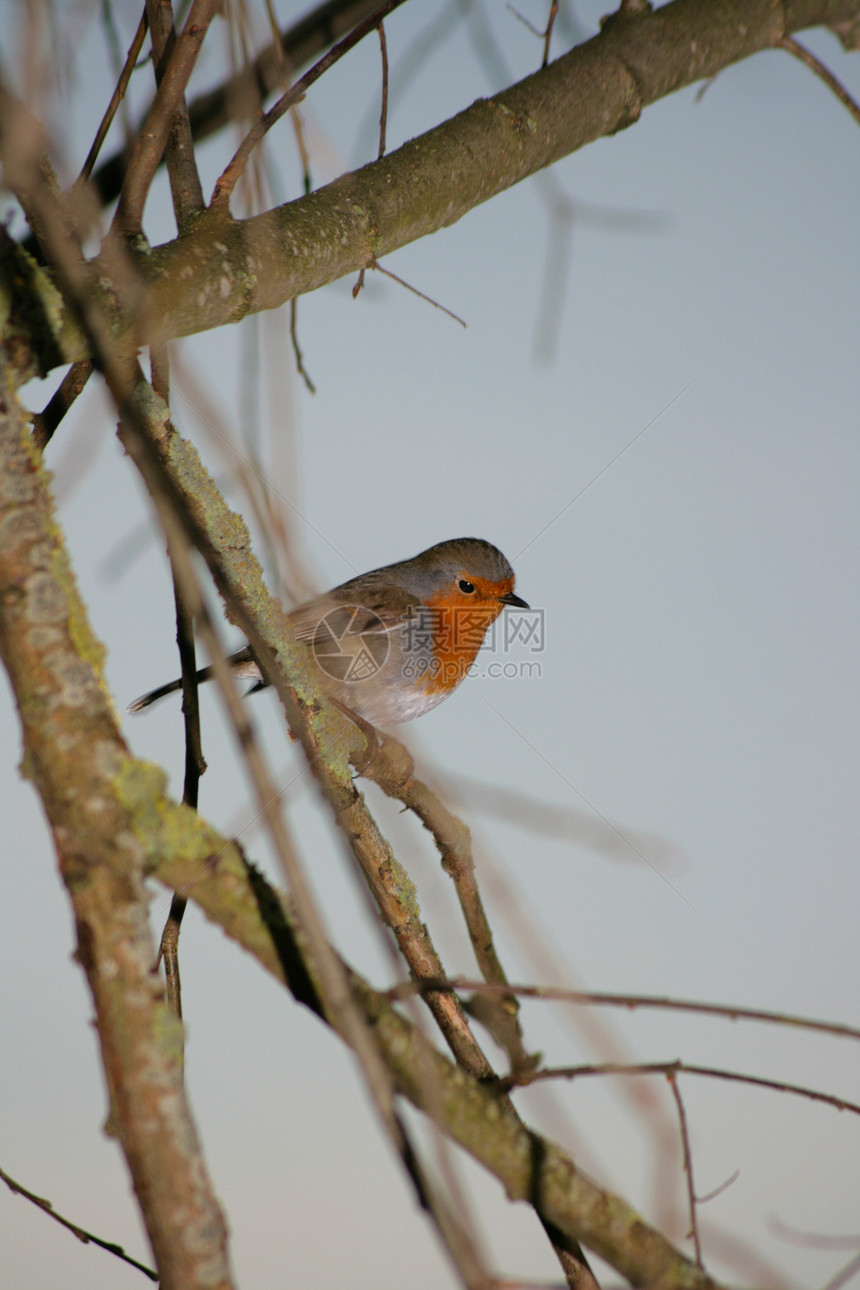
(152, 137)
(630, 1001)
(294, 337)
(383, 114)
(547, 36)
(374, 264)
(81, 1233)
(72, 384)
(185, 188)
(675, 1067)
(688, 1165)
(792, 46)
(116, 98)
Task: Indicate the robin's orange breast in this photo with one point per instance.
(458, 633)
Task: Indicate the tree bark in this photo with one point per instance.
(226, 268)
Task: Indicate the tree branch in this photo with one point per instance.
(73, 752)
(241, 96)
(153, 135)
(226, 269)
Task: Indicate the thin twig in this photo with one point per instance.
(631, 1001)
(547, 37)
(81, 1233)
(672, 1067)
(214, 109)
(500, 1011)
(844, 1275)
(71, 386)
(383, 114)
(152, 136)
(116, 98)
(374, 264)
(236, 168)
(688, 1165)
(294, 337)
(195, 764)
(718, 1191)
(792, 46)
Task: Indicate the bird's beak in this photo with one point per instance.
(511, 599)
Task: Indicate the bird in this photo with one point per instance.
(391, 644)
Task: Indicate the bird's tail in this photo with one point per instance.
(242, 660)
(205, 674)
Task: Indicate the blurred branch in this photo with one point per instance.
(185, 187)
(152, 137)
(631, 1001)
(240, 96)
(116, 98)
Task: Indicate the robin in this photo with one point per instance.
(391, 644)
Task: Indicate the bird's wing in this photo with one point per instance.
(379, 610)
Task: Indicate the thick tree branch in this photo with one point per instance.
(226, 269)
(73, 752)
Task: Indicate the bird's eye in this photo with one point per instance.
(466, 587)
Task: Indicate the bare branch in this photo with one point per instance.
(242, 94)
(383, 112)
(674, 1067)
(688, 1165)
(116, 98)
(80, 1232)
(185, 186)
(408, 285)
(152, 138)
(294, 337)
(71, 386)
(631, 1001)
(815, 65)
